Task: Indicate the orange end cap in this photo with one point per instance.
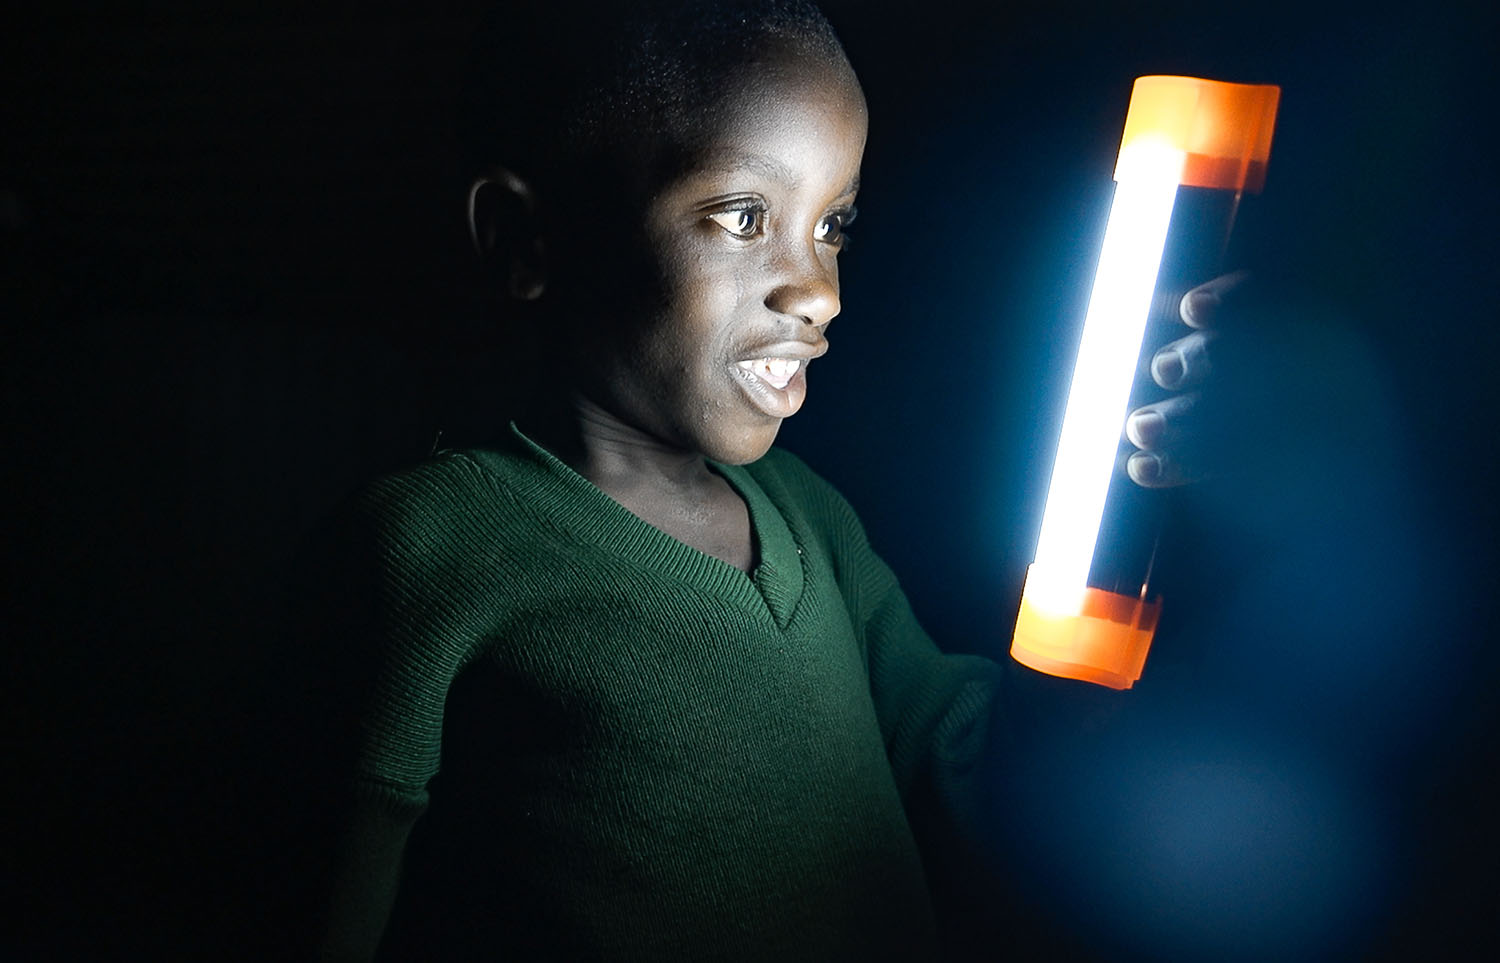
(1223, 128)
(1105, 641)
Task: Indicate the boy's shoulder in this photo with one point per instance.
(451, 500)
(442, 482)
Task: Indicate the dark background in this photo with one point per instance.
(237, 284)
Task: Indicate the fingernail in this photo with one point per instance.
(1198, 307)
(1168, 367)
(1146, 428)
(1144, 468)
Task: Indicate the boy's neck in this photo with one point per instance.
(612, 454)
(669, 488)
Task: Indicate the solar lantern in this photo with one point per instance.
(1180, 132)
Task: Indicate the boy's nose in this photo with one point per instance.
(806, 288)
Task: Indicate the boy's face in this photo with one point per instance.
(709, 350)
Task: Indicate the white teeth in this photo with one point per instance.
(777, 371)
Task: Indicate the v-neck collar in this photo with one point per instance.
(585, 511)
(778, 572)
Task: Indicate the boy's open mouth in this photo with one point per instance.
(776, 372)
(775, 385)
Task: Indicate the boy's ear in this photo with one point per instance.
(506, 231)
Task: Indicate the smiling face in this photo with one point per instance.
(705, 341)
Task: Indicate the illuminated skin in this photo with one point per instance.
(739, 278)
(743, 252)
(705, 340)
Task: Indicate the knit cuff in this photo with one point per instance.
(395, 801)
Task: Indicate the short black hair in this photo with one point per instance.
(553, 86)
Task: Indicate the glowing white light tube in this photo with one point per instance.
(1113, 328)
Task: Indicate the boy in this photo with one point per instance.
(684, 711)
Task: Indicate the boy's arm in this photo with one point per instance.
(959, 728)
(971, 743)
(953, 724)
(940, 714)
(366, 876)
(381, 673)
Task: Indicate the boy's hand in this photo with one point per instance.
(1170, 433)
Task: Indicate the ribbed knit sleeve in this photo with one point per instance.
(427, 529)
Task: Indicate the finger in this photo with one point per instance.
(1164, 424)
(1184, 363)
(1201, 307)
(1159, 469)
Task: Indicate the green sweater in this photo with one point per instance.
(645, 753)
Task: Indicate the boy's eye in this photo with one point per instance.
(830, 229)
(743, 222)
